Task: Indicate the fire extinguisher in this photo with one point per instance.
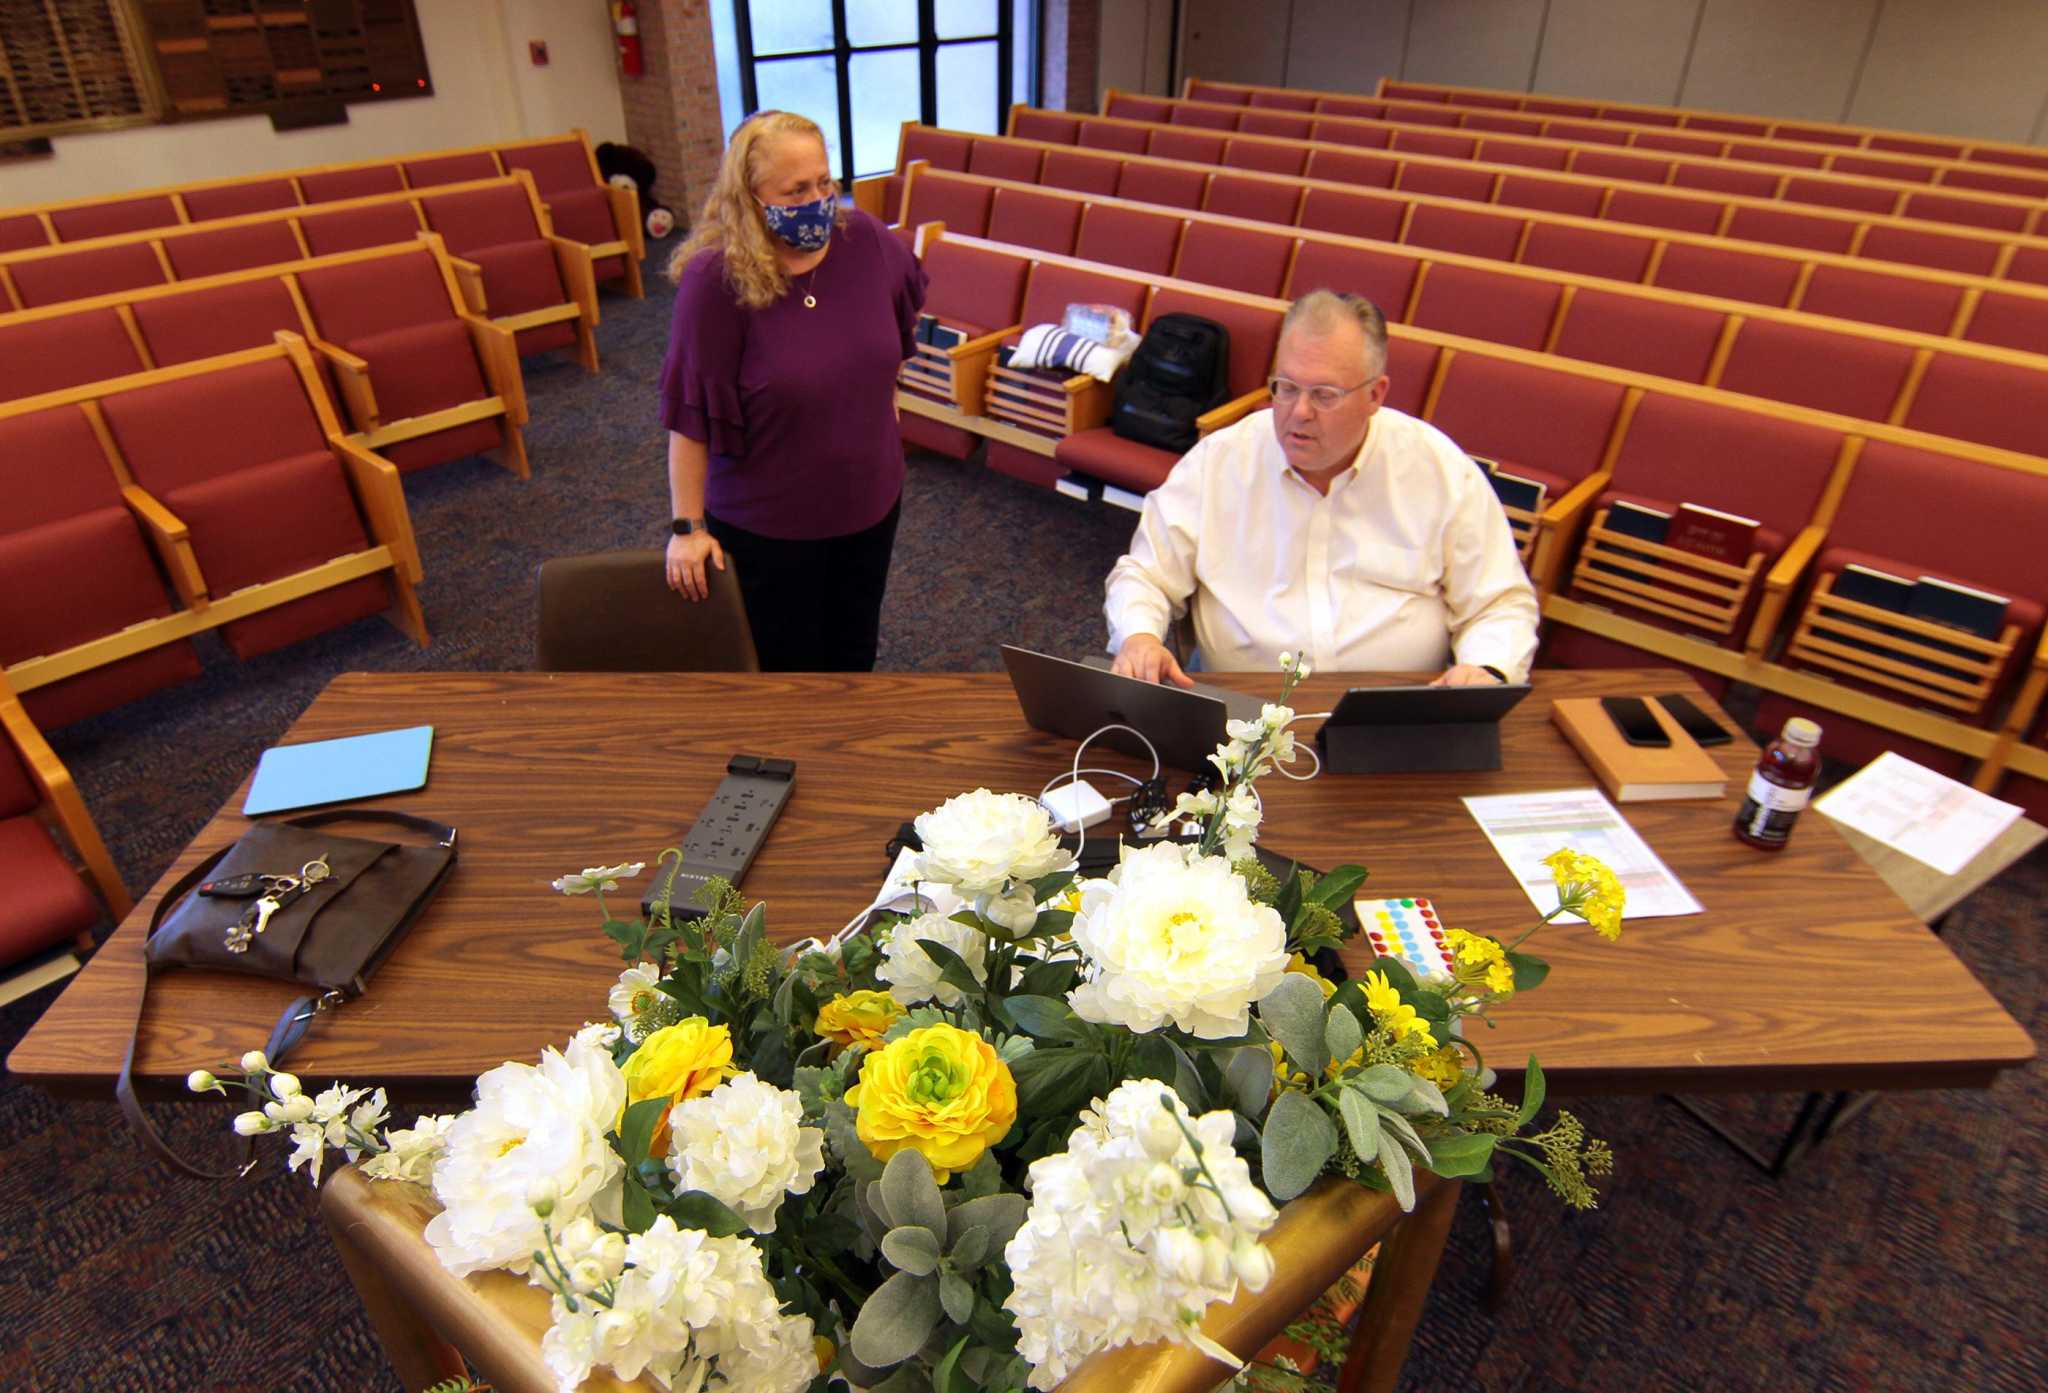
(627, 25)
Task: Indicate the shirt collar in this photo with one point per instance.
(1287, 470)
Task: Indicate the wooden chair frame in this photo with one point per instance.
(2008, 243)
(1736, 315)
(497, 355)
(1634, 130)
(1928, 662)
(373, 481)
(2032, 209)
(1971, 289)
(1679, 585)
(576, 263)
(63, 805)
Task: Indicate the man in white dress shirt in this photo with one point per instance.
(1330, 526)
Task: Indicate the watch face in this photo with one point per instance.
(683, 527)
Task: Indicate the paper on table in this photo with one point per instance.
(1910, 808)
(1526, 827)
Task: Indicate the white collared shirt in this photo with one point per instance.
(1406, 565)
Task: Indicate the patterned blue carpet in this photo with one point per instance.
(1905, 1255)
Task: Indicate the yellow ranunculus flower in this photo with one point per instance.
(1297, 963)
(676, 1062)
(1587, 880)
(1481, 961)
(1395, 1014)
(858, 1018)
(940, 1091)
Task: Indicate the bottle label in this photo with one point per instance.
(1777, 797)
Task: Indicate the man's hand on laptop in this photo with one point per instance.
(1146, 658)
(1465, 675)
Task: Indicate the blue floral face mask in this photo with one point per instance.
(804, 226)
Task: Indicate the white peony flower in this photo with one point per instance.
(598, 878)
(1174, 937)
(411, 1151)
(978, 842)
(1111, 1253)
(744, 1144)
(910, 972)
(530, 1123)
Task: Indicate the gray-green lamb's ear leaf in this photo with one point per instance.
(1385, 1083)
(956, 1296)
(1341, 1034)
(910, 1195)
(1400, 1171)
(1392, 1124)
(895, 1322)
(1249, 1077)
(1361, 1123)
(968, 1249)
(1293, 1014)
(911, 1249)
(1297, 1143)
(1423, 1094)
(1002, 1215)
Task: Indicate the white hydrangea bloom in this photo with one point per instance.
(744, 1144)
(1121, 1246)
(531, 1126)
(976, 842)
(1174, 937)
(411, 1151)
(912, 976)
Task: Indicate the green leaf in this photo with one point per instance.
(1187, 1081)
(1398, 976)
(1289, 902)
(956, 1295)
(895, 1322)
(1423, 1095)
(1047, 1018)
(1051, 923)
(1461, 1154)
(1338, 885)
(1533, 1089)
(638, 1206)
(1400, 1171)
(984, 1177)
(1152, 1059)
(636, 1130)
(844, 1139)
(1529, 970)
(1341, 1034)
(910, 1195)
(1054, 979)
(912, 1249)
(942, 1376)
(693, 1209)
(1361, 1123)
(1385, 1083)
(1249, 1077)
(1048, 886)
(906, 1378)
(1297, 1143)
(967, 1253)
(953, 968)
(630, 935)
(1394, 1125)
(1293, 1014)
(1053, 1081)
(1001, 1215)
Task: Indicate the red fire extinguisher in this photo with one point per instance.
(627, 25)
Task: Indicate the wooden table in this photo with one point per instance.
(1804, 972)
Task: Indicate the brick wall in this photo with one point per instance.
(672, 108)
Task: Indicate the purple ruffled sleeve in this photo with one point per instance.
(907, 274)
(700, 388)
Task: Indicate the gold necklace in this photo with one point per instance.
(810, 300)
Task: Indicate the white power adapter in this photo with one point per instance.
(1076, 805)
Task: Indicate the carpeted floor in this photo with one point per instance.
(1908, 1254)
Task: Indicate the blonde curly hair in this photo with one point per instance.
(732, 222)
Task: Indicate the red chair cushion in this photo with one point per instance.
(520, 276)
(111, 219)
(233, 200)
(999, 159)
(582, 215)
(420, 369)
(1549, 424)
(48, 355)
(1485, 305)
(960, 205)
(221, 319)
(47, 901)
(1587, 251)
(1261, 200)
(368, 297)
(352, 229)
(1810, 367)
(18, 793)
(1041, 221)
(332, 185)
(76, 275)
(1625, 331)
(560, 166)
(1151, 183)
(225, 249)
(450, 169)
(1876, 298)
(1385, 278)
(1079, 173)
(1459, 230)
(1931, 249)
(974, 289)
(1047, 126)
(1733, 275)
(21, 232)
(178, 434)
(52, 468)
(477, 218)
(2010, 321)
(1131, 237)
(1103, 454)
(942, 149)
(1235, 258)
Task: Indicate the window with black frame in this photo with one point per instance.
(861, 68)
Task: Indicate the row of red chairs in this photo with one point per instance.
(1937, 385)
(47, 902)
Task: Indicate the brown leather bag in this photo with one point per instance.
(330, 939)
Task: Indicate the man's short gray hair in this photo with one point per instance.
(1320, 311)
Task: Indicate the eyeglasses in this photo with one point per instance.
(1286, 392)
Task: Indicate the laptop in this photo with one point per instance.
(1062, 697)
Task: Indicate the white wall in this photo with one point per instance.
(484, 90)
(1961, 67)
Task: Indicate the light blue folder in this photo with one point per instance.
(335, 771)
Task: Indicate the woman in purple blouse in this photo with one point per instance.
(792, 316)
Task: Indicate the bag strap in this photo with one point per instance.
(291, 1025)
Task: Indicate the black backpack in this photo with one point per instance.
(1179, 371)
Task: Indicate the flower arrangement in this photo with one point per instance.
(968, 1148)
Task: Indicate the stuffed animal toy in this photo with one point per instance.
(625, 167)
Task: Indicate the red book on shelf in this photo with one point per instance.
(1711, 533)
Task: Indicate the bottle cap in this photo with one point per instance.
(1800, 731)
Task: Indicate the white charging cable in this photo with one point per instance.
(1073, 775)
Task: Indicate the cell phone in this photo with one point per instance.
(1704, 729)
(1633, 719)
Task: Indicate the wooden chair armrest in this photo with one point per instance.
(626, 217)
(1558, 524)
(173, 544)
(987, 343)
(579, 273)
(383, 500)
(1779, 583)
(1089, 403)
(871, 196)
(470, 277)
(62, 796)
(353, 375)
(498, 350)
(1568, 505)
(1231, 412)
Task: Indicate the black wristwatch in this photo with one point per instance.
(683, 527)
(1498, 675)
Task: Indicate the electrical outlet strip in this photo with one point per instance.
(724, 839)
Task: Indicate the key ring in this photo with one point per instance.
(316, 870)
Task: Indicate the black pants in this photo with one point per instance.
(814, 606)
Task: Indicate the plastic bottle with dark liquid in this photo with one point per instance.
(1780, 786)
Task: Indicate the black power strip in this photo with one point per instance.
(727, 835)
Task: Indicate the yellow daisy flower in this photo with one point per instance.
(1395, 1014)
(1297, 963)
